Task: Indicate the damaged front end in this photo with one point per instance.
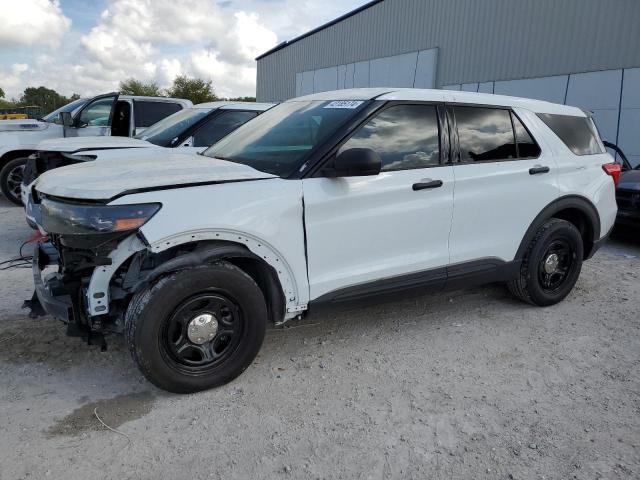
(85, 272)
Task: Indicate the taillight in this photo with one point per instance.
(613, 170)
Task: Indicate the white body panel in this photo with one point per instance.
(361, 229)
(71, 144)
(104, 180)
(264, 215)
(496, 202)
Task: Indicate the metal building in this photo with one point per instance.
(579, 52)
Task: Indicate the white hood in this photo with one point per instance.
(105, 180)
(73, 144)
(26, 125)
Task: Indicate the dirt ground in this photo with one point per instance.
(469, 384)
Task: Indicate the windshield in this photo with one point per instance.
(282, 138)
(164, 132)
(54, 117)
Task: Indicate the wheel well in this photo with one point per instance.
(582, 222)
(196, 253)
(7, 157)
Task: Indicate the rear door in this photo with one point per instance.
(375, 233)
(148, 112)
(94, 119)
(504, 178)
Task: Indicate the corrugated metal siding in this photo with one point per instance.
(478, 40)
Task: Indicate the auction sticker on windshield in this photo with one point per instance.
(350, 104)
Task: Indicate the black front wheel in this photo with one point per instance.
(11, 179)
(551, 264)
(198, 328)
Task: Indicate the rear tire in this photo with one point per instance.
(551, 265)
(197, 328)
(11, 179)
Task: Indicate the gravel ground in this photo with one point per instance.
(469, 384)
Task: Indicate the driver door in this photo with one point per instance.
(95, 118)
(370, 234)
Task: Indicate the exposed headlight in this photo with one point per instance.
(81, 219)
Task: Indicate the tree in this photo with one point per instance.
(1, 93)
(43, 97)
(195, 89)
(242, 99)
(132, 86)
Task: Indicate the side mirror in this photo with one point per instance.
(66, 119)
(355, 162)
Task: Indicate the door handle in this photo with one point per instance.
(538, 169)
(427, 183)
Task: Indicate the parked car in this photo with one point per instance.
(327, 198)
(109, 114)
(628, 191)
(190, 130)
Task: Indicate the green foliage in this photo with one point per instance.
(1, 93)
(43, 97)
(132, 86)
(195, 89)
(241, 99)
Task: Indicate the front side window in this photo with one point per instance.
(169, 129)
(282, 138)
(220, 127)
(577, 133)
(54, 117)
(485, 134)
(405, 137)
(97, 113)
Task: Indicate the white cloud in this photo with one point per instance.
(31, 22)
(157, 40)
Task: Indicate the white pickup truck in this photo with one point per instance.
(110, 114)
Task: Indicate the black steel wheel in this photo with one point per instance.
(196, 328)
(202, 332)
(551, 265)
(11, 179)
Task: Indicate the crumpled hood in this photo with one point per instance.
(105, 180)
(74, 144)
(27, 125)
(630, 180)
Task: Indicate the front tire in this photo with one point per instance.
(11, 179)
(551, 265)
(198, 328)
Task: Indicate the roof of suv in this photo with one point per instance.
(261, 107)
(432, 95)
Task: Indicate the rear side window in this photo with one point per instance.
(485, 134)
(405, 137)
(578, 133)
(220, 126)
(147, 113)
(527, 146)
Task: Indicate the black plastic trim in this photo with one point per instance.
(581, 204)
(452, 277)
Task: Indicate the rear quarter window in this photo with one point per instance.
(147, 113)
(577, 133)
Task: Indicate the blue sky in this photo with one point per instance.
(88, 46)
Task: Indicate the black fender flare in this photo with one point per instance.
(209, 252)
(576, 202)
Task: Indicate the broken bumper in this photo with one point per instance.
(49, 290)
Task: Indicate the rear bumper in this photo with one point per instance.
(55, 303)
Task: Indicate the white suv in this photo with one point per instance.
(322, 199)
